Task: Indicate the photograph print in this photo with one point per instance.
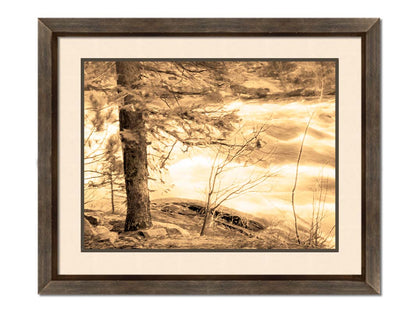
(209, 155)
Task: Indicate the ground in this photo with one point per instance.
(177, 225)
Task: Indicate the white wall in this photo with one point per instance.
(19, 147)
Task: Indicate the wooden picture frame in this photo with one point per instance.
(50, 282)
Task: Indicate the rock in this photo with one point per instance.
(113, 237)
(171, 208)
(88, 228)
(199, 209)
(153, 232)
(169, 226)
(127, 242)
(102, 230)
(130, 239)
(104, 234)
(239, 220)
(94, 220)
(255, 226)
(173, 231)
(187, 213)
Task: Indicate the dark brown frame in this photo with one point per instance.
(50, 282)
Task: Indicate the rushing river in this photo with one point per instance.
(188, 173)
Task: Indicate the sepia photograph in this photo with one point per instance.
(209, 155)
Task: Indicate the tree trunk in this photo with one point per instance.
(206, 221)
(133, 137)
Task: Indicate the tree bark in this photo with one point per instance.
(133, 137)
(206, 220)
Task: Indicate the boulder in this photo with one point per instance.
(173, 231)
(94, 220)
(171, 227)
(104, 234)
(101, 230)
(171, 208)
(88, 228)
(188, 213)
(153, 232)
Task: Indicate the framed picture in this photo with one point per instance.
(209, 156)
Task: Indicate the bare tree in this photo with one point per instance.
(296, 179)
(243, 151)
